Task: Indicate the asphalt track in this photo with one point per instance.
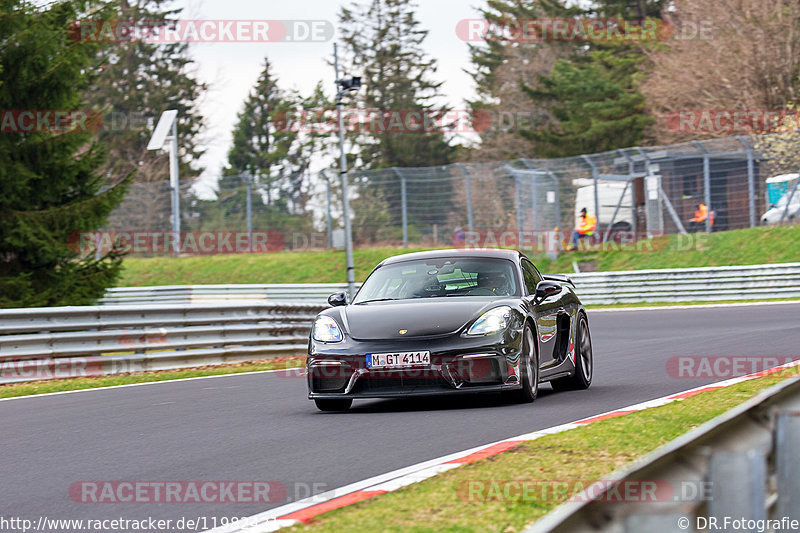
(261, 427)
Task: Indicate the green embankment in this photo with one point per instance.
(741, 247)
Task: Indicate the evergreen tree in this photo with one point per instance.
(260, 144)
(583, 96)
(138, 81)
(275, 155)
(50, 180)
(595, 103)
(383, 43)
(501, 70)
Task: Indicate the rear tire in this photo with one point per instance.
(333, 405)
(584, 361)
(529, 367)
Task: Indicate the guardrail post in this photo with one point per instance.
(738, 485)
(787, 442)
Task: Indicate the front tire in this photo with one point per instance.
(584, 361)
(529, 367)
(333, 405)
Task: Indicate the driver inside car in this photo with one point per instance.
(496, 282)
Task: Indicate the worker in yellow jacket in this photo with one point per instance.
(586, 225)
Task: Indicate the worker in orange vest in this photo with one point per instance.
(699, 221)
(586, 225)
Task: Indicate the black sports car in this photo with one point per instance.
(450, 321)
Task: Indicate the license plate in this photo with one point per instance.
(398, 360)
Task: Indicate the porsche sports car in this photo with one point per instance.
(449, 322)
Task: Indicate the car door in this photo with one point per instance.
(545, 314)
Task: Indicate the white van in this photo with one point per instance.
(609, 193)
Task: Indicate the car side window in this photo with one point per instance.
(531, 276)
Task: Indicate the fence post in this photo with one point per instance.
(751, 184)
(594, 179)
(706, 182)
(403, 205)
(467, 180)
(534, 195)
(245, 177)
(557, 198)
(329, 217)
(631, 172)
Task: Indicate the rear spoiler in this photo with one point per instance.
(559, 278)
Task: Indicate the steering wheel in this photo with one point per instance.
(480, 291)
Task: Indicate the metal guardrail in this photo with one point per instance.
(721, 283)
(291, 292)
(43, 343)
(741, 465)
(634, 286)
(158, 328)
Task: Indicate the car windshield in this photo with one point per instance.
(440, 278)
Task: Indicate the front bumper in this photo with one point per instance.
(458, 365)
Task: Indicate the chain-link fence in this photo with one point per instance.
(634, 193)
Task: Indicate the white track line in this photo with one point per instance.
(95, 389)
(308, 508)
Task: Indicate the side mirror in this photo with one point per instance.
(337, 299)
(546, 289)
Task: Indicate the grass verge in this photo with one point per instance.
(741, 247)
(581, 455)
(12, 390)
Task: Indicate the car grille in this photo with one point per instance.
(399, 381)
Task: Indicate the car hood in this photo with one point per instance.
(419, 317)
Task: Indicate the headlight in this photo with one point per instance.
(491, 321)
(327, 330)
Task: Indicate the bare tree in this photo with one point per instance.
(725, 55)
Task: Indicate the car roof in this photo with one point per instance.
(464, 252)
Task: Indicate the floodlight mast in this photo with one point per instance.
(169, 122)
(344, 86)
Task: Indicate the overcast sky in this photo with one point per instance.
(231, 69)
